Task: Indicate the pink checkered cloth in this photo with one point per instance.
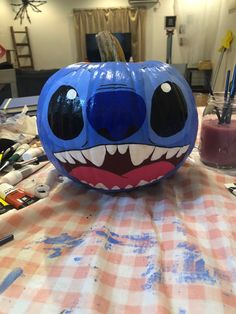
(169, 248)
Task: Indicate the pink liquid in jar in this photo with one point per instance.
(218, 143)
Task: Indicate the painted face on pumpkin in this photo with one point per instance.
(117, 126)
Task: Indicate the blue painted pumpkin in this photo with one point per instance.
(115, 125)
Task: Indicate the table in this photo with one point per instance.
(169, 248)
(198, 79)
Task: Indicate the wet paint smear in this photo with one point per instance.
(193, 268)
(139, 243)
(10, 278)
(57, 244)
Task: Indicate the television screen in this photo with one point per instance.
(93, 51)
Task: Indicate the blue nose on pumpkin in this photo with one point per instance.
(116, 114)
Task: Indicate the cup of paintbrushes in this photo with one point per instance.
(218, 132)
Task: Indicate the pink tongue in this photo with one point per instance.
(132, 178)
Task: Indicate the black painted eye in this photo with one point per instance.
(65, 113)
(169, 110)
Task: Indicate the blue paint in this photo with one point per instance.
(66, 311)
(200, 265)
(140, 243)
(194, 269)
(57, 252)
(101, 233)
(182, 311)
(179, 226)
(60, 242)
(10, 278)
(152, 275)
(64, 237)
(187, 246)
(77, 259)
(114, 234)
(110, 239)
(144, 237)
(192, 277)
(155, 277)
(150, 267)
(74, 243)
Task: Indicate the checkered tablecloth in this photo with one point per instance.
(169, 248)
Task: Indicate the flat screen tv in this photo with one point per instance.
(93, 51)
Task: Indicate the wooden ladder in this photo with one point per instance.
(21, 43)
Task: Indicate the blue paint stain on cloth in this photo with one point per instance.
(10, 278)
(152, 274)
(59, 243)
(139, 243)
(193, 266)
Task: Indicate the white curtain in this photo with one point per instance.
(197, 26)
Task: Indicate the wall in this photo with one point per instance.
(6, 18)
(52, 32)
(227, 22)
(53, 41)
(156, 39)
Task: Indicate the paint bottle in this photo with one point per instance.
(16, 197)
(32, 152)
(4, 206)
(16, 176)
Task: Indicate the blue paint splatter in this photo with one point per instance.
(66, 311)
(10, 278)
(140, 243)
(110, 240)
(57, 252)
(182, 311)
(152, 275)
(179, 226)
(77, 259)
(156, 277)
(193, 266)
(61, 242)
(64, 237)
(200, 265)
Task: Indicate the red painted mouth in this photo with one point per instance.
(116, 167)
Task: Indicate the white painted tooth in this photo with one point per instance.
(69, 158)
(158, 152)
(115, 187)
(95, 154)
(128, 186)
(111, 149)
(138, 153)
(60, 157)
(122, 148)
(101, 186)
(142, 182)
(182, 150)
(171, 152)
(77, 155)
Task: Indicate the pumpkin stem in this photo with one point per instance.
(109, 47)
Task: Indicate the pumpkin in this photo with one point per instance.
(116, 125)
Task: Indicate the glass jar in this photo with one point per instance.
(218, 133)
